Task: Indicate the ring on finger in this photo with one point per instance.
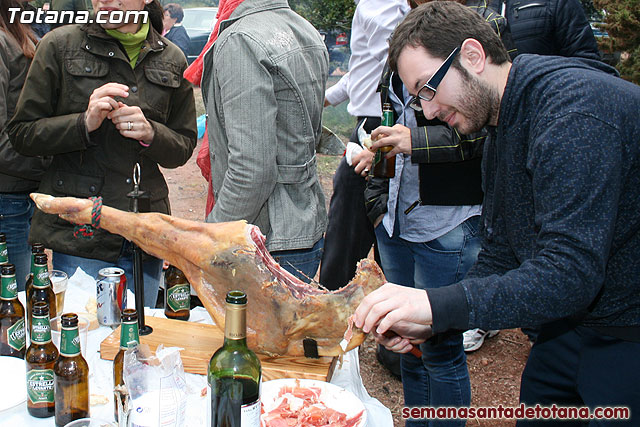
(130, 126)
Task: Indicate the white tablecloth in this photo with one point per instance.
(101, 377)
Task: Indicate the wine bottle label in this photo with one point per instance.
(9, 288)
(40, 329)
(129, 333)
(4, 253)
(179, 297)
(40, 385)
(70, 342)
(41, 276)
(16, 335)
(250, 414)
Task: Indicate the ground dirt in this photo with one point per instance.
(495, 368)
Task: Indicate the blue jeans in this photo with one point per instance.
(16, 210)
(302, 263)
(441, 377)
(152, 270)
(577, 366)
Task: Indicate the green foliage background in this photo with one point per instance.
(622, 22)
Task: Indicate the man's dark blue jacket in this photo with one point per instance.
(562, 205)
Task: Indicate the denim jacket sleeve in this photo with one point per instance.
(252, 167)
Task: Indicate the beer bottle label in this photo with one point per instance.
(179, 297)
(40, 329)
(41, 277)
(70, 342)
(9, 288)
(40, 385)
(129, 333)
(4, 253)
(16, 335)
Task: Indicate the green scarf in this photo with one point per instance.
(132, 42)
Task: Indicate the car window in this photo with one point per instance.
(199, 19)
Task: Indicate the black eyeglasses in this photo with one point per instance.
(428, 91)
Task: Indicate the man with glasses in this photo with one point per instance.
(561, 211)
(431, 244)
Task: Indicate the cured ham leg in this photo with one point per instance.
(217, 258)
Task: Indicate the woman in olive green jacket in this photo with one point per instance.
(101, 98)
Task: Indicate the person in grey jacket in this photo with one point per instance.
(263, 85)
(561, 210)
(19, 175)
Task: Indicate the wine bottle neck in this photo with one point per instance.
(235, 323)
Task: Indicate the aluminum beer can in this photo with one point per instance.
(111, 295)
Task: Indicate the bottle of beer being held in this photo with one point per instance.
(36, 248)
(234, 375)
(4, 252)
(41, 288)
(128, 334)
(41, 356)
(383, 167)
(12, 332)
(177, 294)
(71, 374)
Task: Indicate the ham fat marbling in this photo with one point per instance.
(217, 258)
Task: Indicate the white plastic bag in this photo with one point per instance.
(157, 387)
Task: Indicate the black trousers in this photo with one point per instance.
(349, 234)
(578, 366)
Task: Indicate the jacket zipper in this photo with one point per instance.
(526, 6)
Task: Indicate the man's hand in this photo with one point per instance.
(326, 102)
(102, 102)
(361, 162)
(398, 136)
(405, 311)
(132, 123)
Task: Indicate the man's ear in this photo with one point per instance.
(472, 56)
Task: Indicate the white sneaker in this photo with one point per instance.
(474, 338)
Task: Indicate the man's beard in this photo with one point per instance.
(479, 104)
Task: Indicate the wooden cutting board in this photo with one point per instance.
(200, 341)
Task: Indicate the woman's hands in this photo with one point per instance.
(132, 123)
(129, 120)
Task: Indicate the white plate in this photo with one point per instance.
(13, 390)
(331, 395)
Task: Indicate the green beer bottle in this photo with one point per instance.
(235, 373)
(128, 334)
(383, 167)
(12, 332)
(4, 252)
(40, 358)
(41, 288)
(71, 375)
(177, 294)
(36, 248)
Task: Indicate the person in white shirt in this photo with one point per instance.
(349, 234)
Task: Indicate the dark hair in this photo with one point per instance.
(175, 11)
(20, 32)
(155, 15)
(415, 3)
(441, 26)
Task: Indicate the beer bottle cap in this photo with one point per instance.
(8, 270)
(69, 320)
(3, 238)
(37, 248)
(129, 315)
(40, 308)
(40, 259)
(236, 297)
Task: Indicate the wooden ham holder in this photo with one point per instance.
(200, 341)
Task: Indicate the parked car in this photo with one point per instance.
(199, 22)
(337, 43)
